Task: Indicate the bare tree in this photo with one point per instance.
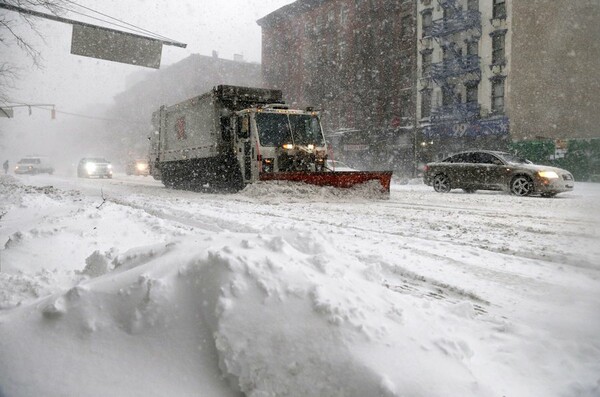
(8, 36)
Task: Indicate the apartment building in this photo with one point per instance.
(492, 73)
(356, 61)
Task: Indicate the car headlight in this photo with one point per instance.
(548, 174)
(141, 166)
(109, 166)
(90, 167)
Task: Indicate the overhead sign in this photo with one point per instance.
(6, 112)
(102, 43)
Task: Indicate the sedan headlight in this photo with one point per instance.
(548, 174)
(90, 167)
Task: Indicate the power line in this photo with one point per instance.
(97, 118)
(85, 116)
(136, 28)
(101, 20)
(73, 22)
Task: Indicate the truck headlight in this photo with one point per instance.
(267, 165)
(90, 167)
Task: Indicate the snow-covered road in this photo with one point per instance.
(298, 290)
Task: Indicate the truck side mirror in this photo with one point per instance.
(243, 130)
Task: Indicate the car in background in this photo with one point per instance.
(33, 165)
(337, 166)
(138, 167)
(492, 170)
(94, 166)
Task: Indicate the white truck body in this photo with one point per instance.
(231, 136)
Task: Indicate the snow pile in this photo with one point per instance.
(130, 300)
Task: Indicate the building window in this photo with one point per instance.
(425, 103)
(426, 64)
(499, 9)
(498, 96)
(471, 91)
(473, 5)
(405, 106)
(449, 12)
(343, 15)
(473, 48)
(405, 28)
(330, 17)
(342, 51)
(498, 49)
(427, 22)
(448, 95)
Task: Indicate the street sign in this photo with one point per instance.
(6, 112)
(102, 43)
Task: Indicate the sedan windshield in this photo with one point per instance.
(29, 161)
(510, 158)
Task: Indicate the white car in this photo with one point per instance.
(337, 166)
(33, 165)
(94, 166)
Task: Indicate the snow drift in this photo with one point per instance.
(287, 310)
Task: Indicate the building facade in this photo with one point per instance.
(464, 61)
(356, 61)
(501, 74)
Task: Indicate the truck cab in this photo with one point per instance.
(274, 138)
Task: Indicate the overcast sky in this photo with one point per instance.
(80, 85)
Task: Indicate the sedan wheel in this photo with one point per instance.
(521, 185)
(441, 183)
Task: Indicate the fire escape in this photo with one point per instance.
(457, 69)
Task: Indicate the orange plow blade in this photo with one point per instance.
(342, 179)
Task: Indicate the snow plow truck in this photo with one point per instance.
(232, 136)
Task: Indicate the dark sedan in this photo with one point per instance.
(491, 170)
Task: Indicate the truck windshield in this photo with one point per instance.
(273, 129)
(306, 129)
(277, 129)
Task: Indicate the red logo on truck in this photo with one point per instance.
(180, 128)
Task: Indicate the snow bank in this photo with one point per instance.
(127, 301)
(280, 316)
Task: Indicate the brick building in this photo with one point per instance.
(355, 60)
